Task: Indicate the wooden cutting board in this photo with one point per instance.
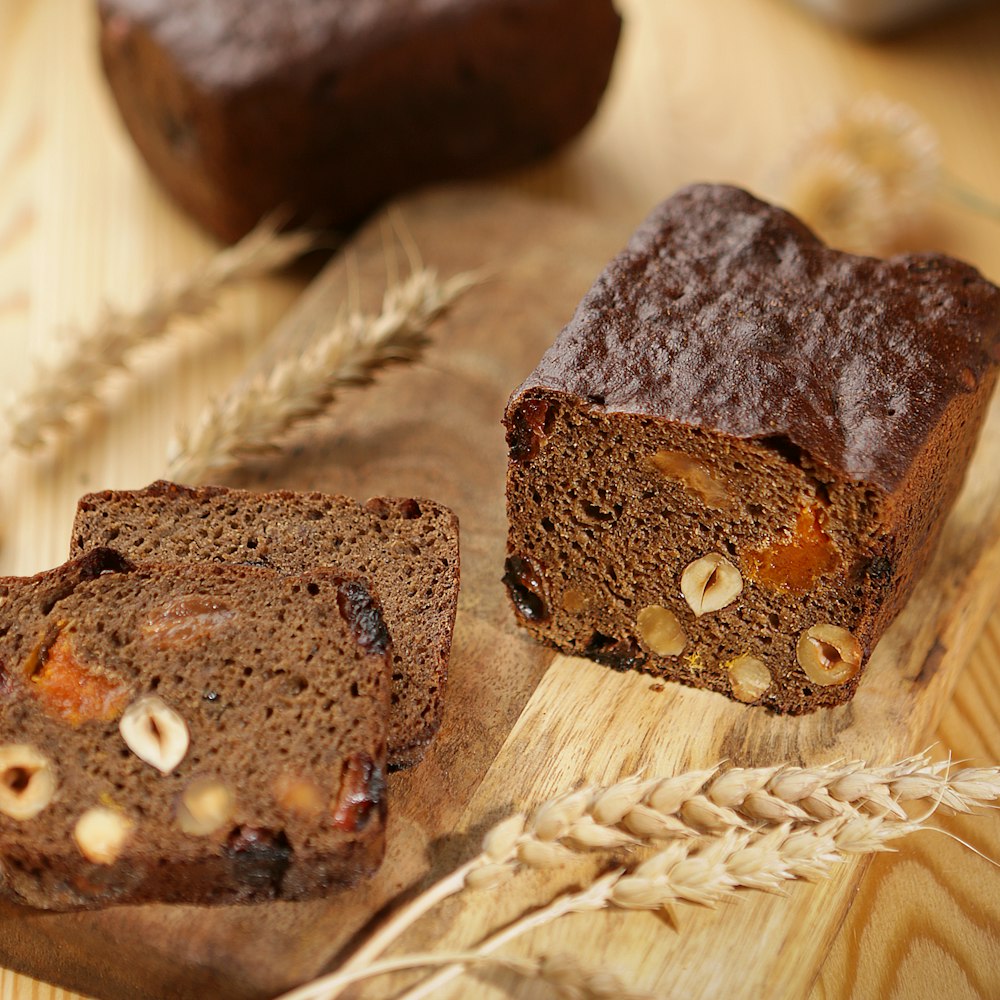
(519, 723)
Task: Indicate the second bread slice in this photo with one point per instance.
(407, 548)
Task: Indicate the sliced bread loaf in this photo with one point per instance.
(407, 548)
(189, 733)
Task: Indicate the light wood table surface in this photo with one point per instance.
(716, 90)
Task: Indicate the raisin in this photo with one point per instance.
(362, 614)
(362, 789)
(410, 509)
(879, 570)
(526, 586)
(260, 857)
(618, 654)
(529, 428)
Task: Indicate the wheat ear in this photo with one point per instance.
(59, 387)
(563, 973)
(254, 417)
(720, 866)
(715, 800)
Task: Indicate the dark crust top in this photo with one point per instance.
(726, 313)
(227, 44)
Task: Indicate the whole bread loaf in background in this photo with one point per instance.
(328, 107)
(734, 462)
(189, 733)
(408, 548)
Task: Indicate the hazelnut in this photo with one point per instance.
(155, 733)
(27, 783)
(101, 833)
(710, 583)
(205, 805)
(660, 630)
(749, 678)
(298, 795)
(828, 654)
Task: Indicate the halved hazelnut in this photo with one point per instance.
(749, 678)
(155, 733)
(660, 630)
(27, 783)
(100, 833)
(206, 805)
(710, 583)
(828, 654)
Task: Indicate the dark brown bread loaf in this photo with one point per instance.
(732, 465)
(408, 549)
(188, 733)
(329, 107)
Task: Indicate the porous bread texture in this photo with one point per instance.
(731, 389)
(326, 109)
(407, 547)
(282, 685)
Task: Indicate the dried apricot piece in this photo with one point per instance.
(793, 563)
(70, 690)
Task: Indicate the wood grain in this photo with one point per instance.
(714, 91)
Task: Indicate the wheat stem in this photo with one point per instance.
(594, 897)
(408, 915)
(59, 387)
(566, 977)
(252, 419)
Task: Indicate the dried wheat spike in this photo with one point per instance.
(61, 387)
(835, 809)
(253, 419)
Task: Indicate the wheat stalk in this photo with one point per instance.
(250, 420)
(682, 807)
(716, 869)
(563, 973)
(60, 387)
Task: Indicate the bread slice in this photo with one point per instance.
(189, 733)
(407, 548)
(733, 464)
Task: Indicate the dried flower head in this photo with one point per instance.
(863, 177)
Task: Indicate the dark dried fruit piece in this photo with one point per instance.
(529, 428)
(526, 586)
(879, 570)
(362, 788)
(363, 615)
(260, 857)
(618, 654)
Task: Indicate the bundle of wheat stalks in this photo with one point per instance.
(697, 837)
